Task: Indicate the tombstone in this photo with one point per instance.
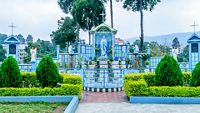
(11, 45)
(194, 53)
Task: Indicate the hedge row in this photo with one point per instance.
(149, 77)
(140, 88)
(65, 89)
(71, 79)
(29, 79)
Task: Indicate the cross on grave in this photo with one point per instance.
(194, 25)
(103, 15)
(12, 27)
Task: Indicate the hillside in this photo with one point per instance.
(182, 37)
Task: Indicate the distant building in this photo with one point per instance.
(119, 41)
(15, 47)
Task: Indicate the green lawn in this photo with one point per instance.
(32, 107)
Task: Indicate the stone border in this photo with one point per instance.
(71, 108)
(103, 89)
(165, 100)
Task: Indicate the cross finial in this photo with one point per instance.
(194, 25)
(103, 15)
(12, 27)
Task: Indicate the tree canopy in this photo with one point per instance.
(66, 32)
(87, 13)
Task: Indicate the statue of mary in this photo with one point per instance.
(103, 47)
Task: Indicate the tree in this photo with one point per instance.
(66, 33)
(2, 53)
(140, 6)
(66, 7)
(175, 43)
(168, 72)
(47, 72)
(10, 73)
(29, 38)
(87, 13)
(184, 55)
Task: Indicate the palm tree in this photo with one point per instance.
(111, 13)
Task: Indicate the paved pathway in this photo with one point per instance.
(98, 97)
(116, 102)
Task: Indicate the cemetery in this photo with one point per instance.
(105, 71)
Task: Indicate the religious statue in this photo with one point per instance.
(103, 47)
(33, 54)
(175, 53)
(136, 49)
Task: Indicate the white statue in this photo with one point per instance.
(33, 54)
(136, 49)
(175, 53)
(103, 46)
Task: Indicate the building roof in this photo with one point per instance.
(103, 28)
(12, 40)
(194, 38)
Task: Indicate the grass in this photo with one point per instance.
(41, 107)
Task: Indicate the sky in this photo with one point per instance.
(39, 18)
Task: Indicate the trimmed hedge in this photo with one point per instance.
(65, 89)
(29, 79)
(140, 88)
(149, 77)
(134, 88)
(71, 79)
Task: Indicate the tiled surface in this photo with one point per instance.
(100, 97)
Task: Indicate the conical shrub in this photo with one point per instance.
(10, 73)
(168, 72)
(195, 79)
(47, 72)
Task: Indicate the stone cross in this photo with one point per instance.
(12, 27)
(103, 15)
(194, 25)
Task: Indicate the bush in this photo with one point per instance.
(135, 88)
(47, 72)
(168, 72)
(29, 79)
(195, 80)
(10, 73)
(149, 77)
(71, 79)
(177, 91)
(65, 89)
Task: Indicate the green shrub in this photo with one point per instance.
(177, 91)
(71, 79)
(186, 78)
(65, 89)
(47, 72)
(168, 72)
(195, 80)
(148, 77)
(135, 88)
(10, 73)
(29, 79)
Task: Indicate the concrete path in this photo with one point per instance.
(116, 102)
(126, 107)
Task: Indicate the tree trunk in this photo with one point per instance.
(111, 13)
(89, 37)
(77, 32)
(142, 29)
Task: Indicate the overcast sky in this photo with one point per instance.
(39, 18)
